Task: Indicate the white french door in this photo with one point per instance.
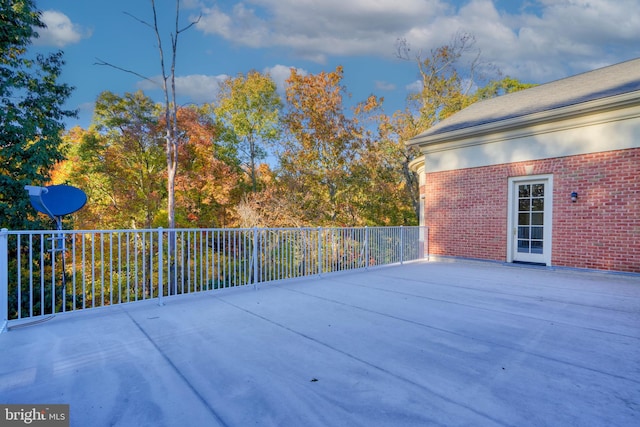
(530, 201)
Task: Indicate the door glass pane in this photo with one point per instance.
(525, 205)
(524, 191)
(523, 246)
(523, 218)
(537, 205)
(536, 247)
(523, 232)
(536, 233)
(537, 218)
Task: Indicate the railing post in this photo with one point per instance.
(255, 258)
(160, 266)
(366, 247)
(4, 279)
(401, 244)
(319, 251)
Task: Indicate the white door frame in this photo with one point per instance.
(512, 215)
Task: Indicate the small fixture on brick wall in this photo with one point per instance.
(574, 196)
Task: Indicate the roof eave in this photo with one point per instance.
(557, 114)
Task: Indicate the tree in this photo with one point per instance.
(446, 87)
(387, 189)
(393, 132)
(500, 87)
(274, 205)
(335, 169)
(316, 157)
(170, 108)
(31, 112)
(443, 91)
(170, 112)
(210, 183)
(81, 168)
(120, 162)
(248, 108)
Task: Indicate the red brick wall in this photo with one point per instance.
(466, 210)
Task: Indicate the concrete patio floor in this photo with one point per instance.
(422, 344)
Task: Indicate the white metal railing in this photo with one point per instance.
(49, 272)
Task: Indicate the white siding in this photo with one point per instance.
(611, 130)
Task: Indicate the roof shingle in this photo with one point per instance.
(600, 83)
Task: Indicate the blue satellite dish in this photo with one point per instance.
(57, 200)
(64, 199)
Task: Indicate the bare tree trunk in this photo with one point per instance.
(171, 130)
(170, 116)
(169, 108)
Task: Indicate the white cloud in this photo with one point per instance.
(414, 87)
(316, 29)
(537, 41)
(60, 31)
(197, 87)
(241, 26)
(86, 107)
(280, 74)
(380, 85)
(555, 38)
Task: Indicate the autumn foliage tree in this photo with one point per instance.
(445, 83)
(210, 183)
(248, 109)
(321, 146)
(333, 169)
(384, 189)
(121, 162)
(451, 77)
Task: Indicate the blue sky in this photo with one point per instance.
(532, 40)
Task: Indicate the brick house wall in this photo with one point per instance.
(466, 210)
